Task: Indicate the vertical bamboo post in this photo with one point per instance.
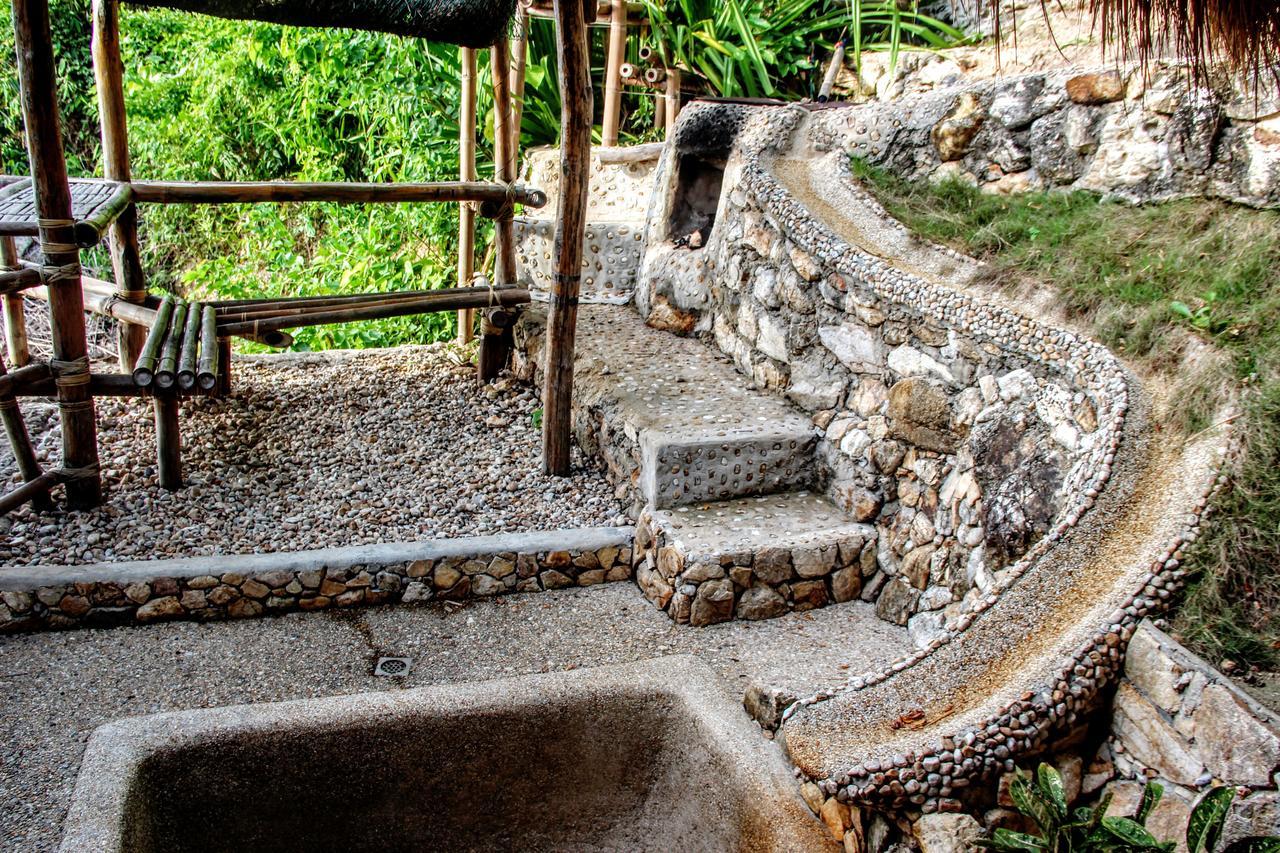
(20, 440)
(613, 73)
(504, 158)
(467, 172)
(168, 442)
(38, 81)
(571, 219)
(15, 318)
(660, 110)
(520, 58)
(495, 341)
(673, 99)
(108, 70)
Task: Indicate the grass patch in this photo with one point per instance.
(1149, 281)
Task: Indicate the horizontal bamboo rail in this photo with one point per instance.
(12, 281)
(450, 299)
(31, 490)
(632, 154)
(19, 379)
(252, 192)
(89, 231)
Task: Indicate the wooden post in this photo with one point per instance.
(467, 172)
(613, 74)
(38, 79)
(15, 318)
(673, 99)
(108, 70)
(571, 219)
(520, 58)
(492, 350)
(168, 442)
(504, 158)
(20, 440)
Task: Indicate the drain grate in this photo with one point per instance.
(392, 667)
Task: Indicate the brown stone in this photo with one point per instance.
(137, 592)
(194, 599)
(670, 562)
(835, 815)
(74, 605)
(526, 566)
(915, 566)
(164, 586)
(587, 560)
(202, 582)
(920, 414)
(255, 589)
(773, 565)
(558, 559)
(350, 598)
(159, 609)
(897, 602)
(420, 568)
(362, 579)
(500, 567)
(591, 577)
(457, 592)
(951, 136)
(220, 595)
(552, 579)
(1096, 88)
(761, 602)
(713, 603)
(806, 595)
(319, 602)
(620, 572)
(245, 608)
(741, 576)
(446, 577)
(665, 316)
(814, 562)
(846, 584)
(274, 580)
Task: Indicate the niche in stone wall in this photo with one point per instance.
(697, 195)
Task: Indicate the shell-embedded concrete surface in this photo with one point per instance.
(642, 756)
(59, 686)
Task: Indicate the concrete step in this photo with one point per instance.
(751, 558)
(675, 420)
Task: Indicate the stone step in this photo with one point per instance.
(674, 419)
(751, 558)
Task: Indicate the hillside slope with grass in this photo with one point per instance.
(1189, 293)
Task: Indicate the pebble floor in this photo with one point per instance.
(59, 686)
(313, 451)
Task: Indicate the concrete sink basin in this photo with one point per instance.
(649, 756)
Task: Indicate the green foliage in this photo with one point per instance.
(1144, 277)
(1092, 830)
(759, 48)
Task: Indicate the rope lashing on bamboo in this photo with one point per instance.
(70, 475)
(70, 374)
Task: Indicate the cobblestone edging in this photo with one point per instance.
(243, 586)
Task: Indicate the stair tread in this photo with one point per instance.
(785, 520)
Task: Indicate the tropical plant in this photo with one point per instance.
(759, 48)
(1091, 830)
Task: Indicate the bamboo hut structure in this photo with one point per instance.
(171, 348)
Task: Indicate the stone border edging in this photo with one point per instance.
(247, 585)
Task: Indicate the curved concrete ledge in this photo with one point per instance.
(646, 756)
(1033, 654)
(246, 585)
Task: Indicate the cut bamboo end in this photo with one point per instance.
(144, 369)
(207, 364)
(187, 353)
(166, 370)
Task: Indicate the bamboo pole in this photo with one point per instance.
(15, 318)
(259, 312)
(16, 281)
(833, 71)
(504, 158)
(166, 370)
(222, 370)
(89, 231)
(467, 172)
(207, 367)
(571, 216)
(255, 192)
(613, 74)
(32, 490)
(632, 154)
(441, 300)
(145, 367)
(20, 440)
(168, 443)
(520, 57)
(38, 79)
(122, 236)
(23, 378)
(187, 351)
(672, 100)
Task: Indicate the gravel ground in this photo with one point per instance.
(312, 451)
(59, 686)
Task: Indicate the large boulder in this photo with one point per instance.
(1020, 470)
(920, 413)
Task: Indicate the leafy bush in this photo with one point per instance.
(1092, 830)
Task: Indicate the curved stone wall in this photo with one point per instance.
(780, 257)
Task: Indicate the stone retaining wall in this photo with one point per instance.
(235, 587)
(964, 433)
